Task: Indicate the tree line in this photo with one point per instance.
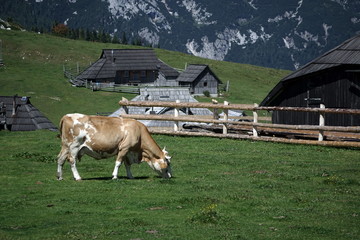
(62, 30)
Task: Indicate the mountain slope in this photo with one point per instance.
(281, 34)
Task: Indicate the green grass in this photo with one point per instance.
(223, 189)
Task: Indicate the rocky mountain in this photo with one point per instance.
(280, 34)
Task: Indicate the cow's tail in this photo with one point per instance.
(60, 128)
(62, 155)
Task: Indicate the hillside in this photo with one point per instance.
(283, 34)
(34, 65)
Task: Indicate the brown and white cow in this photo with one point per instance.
(103, 137)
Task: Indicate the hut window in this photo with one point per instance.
(205, 84)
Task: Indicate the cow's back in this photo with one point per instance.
(97, 132)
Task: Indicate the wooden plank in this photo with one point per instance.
(262, 138)
(184, 105)
(220, 121)
(250, 107)
(299, 134)
(306, 109)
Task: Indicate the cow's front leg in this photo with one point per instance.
(116, 169)
(119, 159)
(128, 172)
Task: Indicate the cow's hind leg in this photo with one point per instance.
(74, 169)
(72, 159)
(63, 155)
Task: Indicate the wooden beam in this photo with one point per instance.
(262, 138)
(215, 121)
(184, 105)
(235, 106)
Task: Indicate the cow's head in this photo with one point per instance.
(162, 165)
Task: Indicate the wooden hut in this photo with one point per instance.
(18, 114)
(200, 79)
(332, 79)
(128, 66)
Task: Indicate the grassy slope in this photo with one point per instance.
(223, 189)
(34, 66)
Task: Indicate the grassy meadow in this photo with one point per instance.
(222, 189)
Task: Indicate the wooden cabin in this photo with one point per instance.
(199, 78)
(128, 67)
(141, 67)
(332, 79)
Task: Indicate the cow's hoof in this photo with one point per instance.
(114, 178)
(60, 178)
(78, 179)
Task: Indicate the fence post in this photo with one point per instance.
(176, 114)
(255, 114)
(226, 117)
(321, 123)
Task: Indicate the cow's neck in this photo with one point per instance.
(151, 150)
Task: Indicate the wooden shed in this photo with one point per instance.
(128, 66)
(199, 78)
(332, 79)
(18, 114)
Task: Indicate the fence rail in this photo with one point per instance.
(349, 134)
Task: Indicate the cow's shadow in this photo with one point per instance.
(110, 178)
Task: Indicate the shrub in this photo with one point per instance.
(206, 93)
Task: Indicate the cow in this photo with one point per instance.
(102, 137)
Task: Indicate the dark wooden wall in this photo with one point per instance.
(135, 77)
(336, 88)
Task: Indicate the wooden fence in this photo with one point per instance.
(112, 87)
(256, 129)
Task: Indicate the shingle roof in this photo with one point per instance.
(192, 71)
(27, 117)
(112, 60)
(347, 53)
